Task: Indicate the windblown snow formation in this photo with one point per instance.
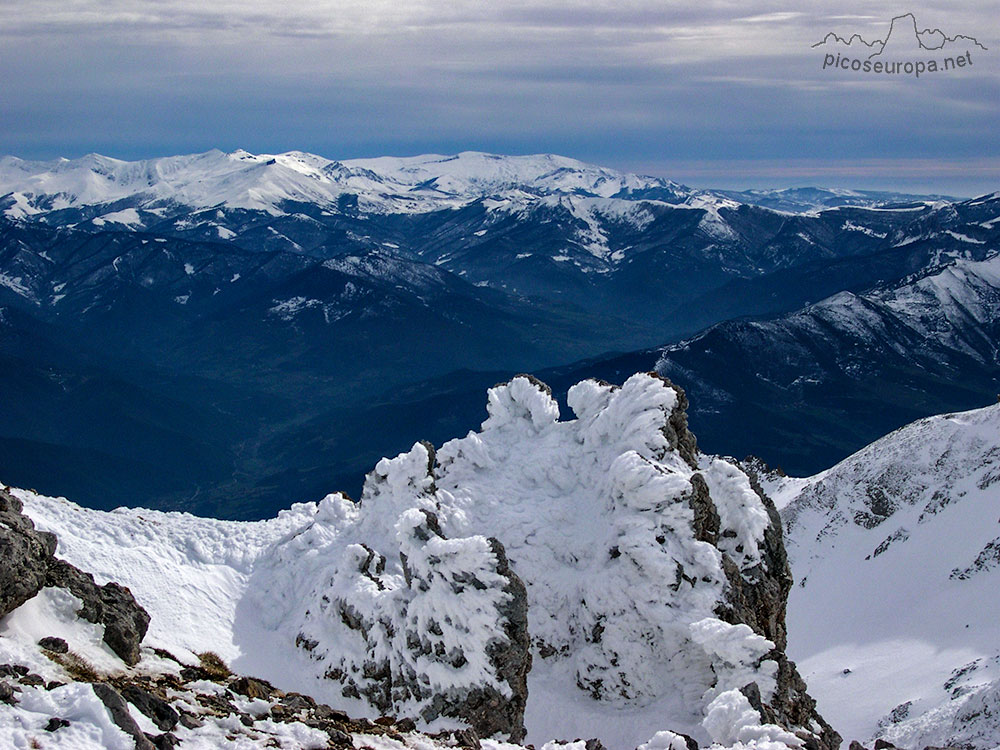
(651, 571)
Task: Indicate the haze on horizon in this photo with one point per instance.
(713, 94)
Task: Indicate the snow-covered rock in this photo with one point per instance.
(28, 566)
(654, 578)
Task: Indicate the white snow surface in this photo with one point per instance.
(593, 514)
(264, 181)
(894, 620)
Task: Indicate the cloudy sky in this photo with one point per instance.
(712, 93)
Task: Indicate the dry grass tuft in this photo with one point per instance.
(212, 663)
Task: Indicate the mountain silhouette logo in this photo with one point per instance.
(902, 41)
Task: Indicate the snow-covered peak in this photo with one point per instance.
(896, 549)
(476, 173)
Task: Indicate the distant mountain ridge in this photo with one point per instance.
(383, 184)
(291, 307)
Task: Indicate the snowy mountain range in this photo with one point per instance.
(249, 318)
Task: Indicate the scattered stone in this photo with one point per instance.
(297, 702)
(164, 741)
(385, 721)
(53, 644)
(120, 715)
(881, 744)
(251, 687)
(340, 738)
(855, 745)
(194, 674)
(190, 721)
(7, 693)
(13, 670)
(32, 680)
(323, 711)
(406, 725)
(158, 710)
(55, 724)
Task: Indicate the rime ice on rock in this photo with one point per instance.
(640, 557)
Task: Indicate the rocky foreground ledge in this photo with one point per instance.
(605, 551)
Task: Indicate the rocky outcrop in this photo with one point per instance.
(25, 555)
(755, 595)
(759, 597)
(28, 564)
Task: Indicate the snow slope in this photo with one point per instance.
(894, 619)
(594, 517)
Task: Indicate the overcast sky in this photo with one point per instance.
(715, 93)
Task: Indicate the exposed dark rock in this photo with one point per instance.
(25, 554)
(7, 693)
(855, 745)
(55, 724)
(388, 685)
(164, 741)
(32, 680)
(55, 645)
(157, 709)
(13, 670)
(679, 437)
(706, 518)
(485, 709)
(120, 715)
(881, 744)
(757, 597)
(113, 606)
